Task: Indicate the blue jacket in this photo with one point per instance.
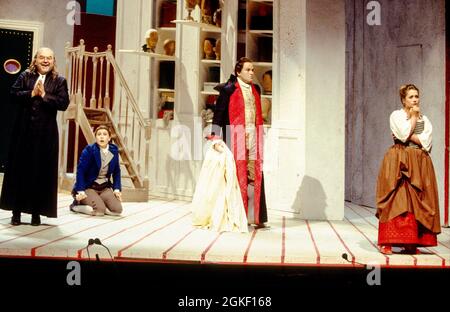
(89, 167)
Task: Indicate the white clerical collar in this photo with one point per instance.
(243, 84)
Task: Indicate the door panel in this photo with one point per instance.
(15, 45)
(380, 58)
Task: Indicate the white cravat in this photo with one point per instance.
(250, 117)
(105, 150)
(41, 78)
(249, 99)
(244, 85)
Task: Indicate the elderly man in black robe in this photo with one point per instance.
(30, 183)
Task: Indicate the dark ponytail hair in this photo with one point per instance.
(240, 64)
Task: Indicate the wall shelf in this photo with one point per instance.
(203, 26)
(149, 54)
(167, 29)
(217, 62)
(165, 90)
(262, 64)
(209, 92)
(268, 33)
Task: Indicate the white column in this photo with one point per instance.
(306, 177)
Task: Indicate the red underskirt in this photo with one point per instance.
(405, 230)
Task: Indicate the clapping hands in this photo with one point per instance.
(38, 89)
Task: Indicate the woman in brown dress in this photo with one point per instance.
(407, 197)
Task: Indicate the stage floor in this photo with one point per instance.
(161, 231)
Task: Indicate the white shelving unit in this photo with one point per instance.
(257, 37)
(208, 70)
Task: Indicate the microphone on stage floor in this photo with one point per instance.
(90, 243)
(98, 242)
(116, 274)
(345, 257)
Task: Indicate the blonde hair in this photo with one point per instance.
(404, 90)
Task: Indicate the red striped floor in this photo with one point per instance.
(161, 231)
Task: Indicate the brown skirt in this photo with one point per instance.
(407, 185)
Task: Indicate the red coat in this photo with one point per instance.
(230, 111)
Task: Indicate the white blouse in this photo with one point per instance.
(401, 128)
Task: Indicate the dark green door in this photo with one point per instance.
(16, 48)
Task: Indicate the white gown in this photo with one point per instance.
(217, 203)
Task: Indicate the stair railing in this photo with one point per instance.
(98, 74)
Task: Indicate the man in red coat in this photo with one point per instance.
(238, 118)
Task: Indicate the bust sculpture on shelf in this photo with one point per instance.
(217, 17)
(190, 5)
(266, 108)
(207, 112)
(267, 82)
(165, 107)
(217, 49)
(208, 48)
(266, 103)
(151, 39)
(206, 11)
(169, 47)
(207, 115)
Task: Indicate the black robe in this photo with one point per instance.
(30, 182)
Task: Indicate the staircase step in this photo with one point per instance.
(99, 122)
(94, 113)
(134, 195)
(94, 110)
(125, 163)
(126, 176)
